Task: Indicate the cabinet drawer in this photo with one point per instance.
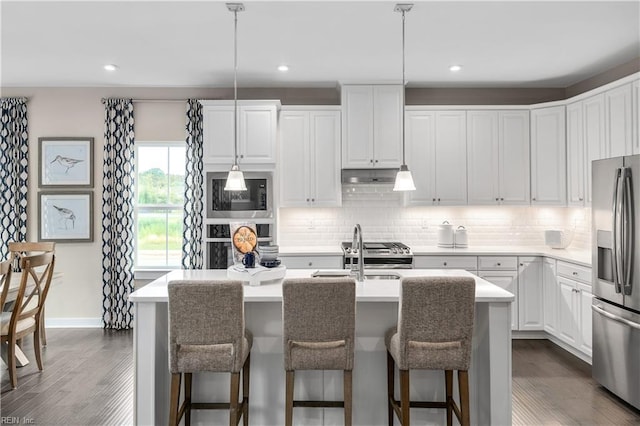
(574, 272)
(497, 263)
(469, 263)
(307, 262)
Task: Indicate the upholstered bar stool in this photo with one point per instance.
(435, 326)
(319, 329)
(206, 333)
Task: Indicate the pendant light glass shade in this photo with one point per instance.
(404, 180)
(235, 180)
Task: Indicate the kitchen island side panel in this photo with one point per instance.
(490, 373)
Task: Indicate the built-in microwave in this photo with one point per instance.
(255, 202)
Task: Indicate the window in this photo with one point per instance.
(159, 207)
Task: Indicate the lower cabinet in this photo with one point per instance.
(507, 280)
(310, 262)
(531, 316)
(574, 306)
(503, 272)
(549, 296)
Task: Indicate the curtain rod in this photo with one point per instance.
(151, 100)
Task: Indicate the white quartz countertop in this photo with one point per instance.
(379, 290)
(582, 257)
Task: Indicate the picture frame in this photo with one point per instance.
(65, 217)
(65, 162)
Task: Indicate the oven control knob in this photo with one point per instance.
(407, 250)
(394, 250)
(348, 249)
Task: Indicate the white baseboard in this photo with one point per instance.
(73, 322)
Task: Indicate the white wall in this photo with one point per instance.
(79, 112)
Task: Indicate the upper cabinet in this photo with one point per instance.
(309, 161)
(257, 130)
(548, 156)
(436, 156)
(619, 116)
(372, 126)
(498, 157)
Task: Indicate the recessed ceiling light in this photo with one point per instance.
(283, 68)
(110, 67)
(455, 68)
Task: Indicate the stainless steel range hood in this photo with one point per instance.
(370, 176)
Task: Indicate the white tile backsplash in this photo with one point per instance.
(382, 217)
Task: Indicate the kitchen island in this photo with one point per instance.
(376, 311)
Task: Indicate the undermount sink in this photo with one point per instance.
(367, 275)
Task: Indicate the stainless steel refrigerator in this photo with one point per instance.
(616, 276)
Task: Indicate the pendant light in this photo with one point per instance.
(235, 179)
(404, 180)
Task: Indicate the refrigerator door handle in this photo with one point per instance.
(614, 233)
(627, 231)
(598, 309)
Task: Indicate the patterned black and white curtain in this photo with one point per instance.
(14, 158)
(193, 189)
(117, 214)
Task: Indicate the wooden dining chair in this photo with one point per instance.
(26, 315)
(5, 282)
(21, 249)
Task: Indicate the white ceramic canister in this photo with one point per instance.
(461, 238)
(445, 235)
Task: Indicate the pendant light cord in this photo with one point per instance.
(235, 87)
(403, 93)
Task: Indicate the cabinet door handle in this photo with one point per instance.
(497, 199)
(533, 199)
(307, 200)
(241, 155)
(313, 200)
(522, 264)
(371, 161)
(438, 199)
(310, 263)
(498, 264)
(434, 200)
(445, 263)
(376, 161)
(501, 199)
(574, 273)
(580, 199)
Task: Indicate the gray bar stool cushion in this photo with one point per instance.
(206, 326)
(435, 324)
(319, 323)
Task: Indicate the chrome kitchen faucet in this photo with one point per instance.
(356, 244)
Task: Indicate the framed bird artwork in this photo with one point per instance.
(65, 162)
(65, 217)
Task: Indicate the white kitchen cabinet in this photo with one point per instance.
(372, 126)
(498, 157)
(503, 272)
(309, 161)
(594, 137)
(585, 143)
(530, 289)
(469, 263)
(436, 155)
(619, 126)
(574, 310)
(311, 262)
(575, 155)
(548, 156)
(257, 129)
(550, 296)
(507, 280)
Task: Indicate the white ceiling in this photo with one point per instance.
(190, 43)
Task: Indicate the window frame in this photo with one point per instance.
(160, 208)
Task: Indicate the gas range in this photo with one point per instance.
(379, 255)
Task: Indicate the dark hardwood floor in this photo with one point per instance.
(88, 380)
